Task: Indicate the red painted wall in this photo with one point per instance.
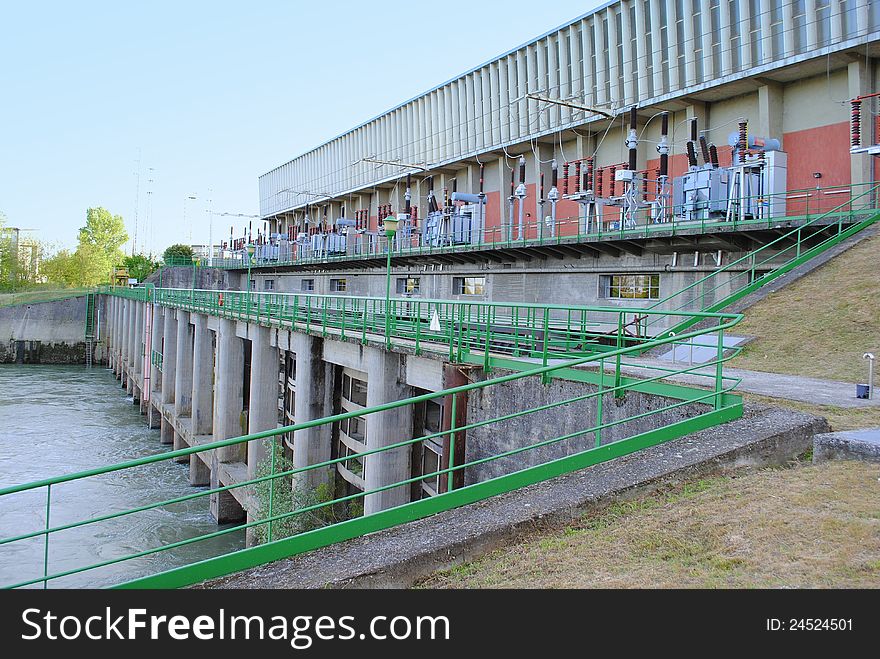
(824, 149)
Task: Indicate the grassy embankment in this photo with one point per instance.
(822, 324)
(808, 526)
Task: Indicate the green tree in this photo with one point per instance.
(98, 251)
(104, 231)
(87, 266)
(177, 254)
(139, 266)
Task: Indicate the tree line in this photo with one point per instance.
(92, 262)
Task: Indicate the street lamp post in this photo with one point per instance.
(192, 295)
(390, 229)
(251, 248)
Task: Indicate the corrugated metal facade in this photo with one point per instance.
(626, 51)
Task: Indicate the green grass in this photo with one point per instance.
(40, 295)
(806, 526)
(822, 324)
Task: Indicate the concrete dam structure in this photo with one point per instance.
(203, 369)
(492, 284)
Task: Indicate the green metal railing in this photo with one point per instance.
(801, 206)
(156, 360)
(587, 428)
(458, 329)
(735, 280)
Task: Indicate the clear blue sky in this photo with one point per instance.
(213, 94)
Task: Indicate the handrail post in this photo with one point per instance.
(617, 392)
(272, 486)
(599, 398)
(451, 460)
(418, 318)
(46, 537)
(546, 376)
(719, 365)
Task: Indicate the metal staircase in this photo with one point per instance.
(732, 282)
(90, 329)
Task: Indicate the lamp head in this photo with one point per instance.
(251, 248)
(390, 224)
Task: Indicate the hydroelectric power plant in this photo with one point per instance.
(534, 268)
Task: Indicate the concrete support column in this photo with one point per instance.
(183, 374)
(138, 355)
(119, 341)
(312, 445)
(263, 411)
(202, 401)
(126, 304)
(112, 333)
(386, 383)
(227, 416)
(770, 100)
(169, 361)
(156, 329)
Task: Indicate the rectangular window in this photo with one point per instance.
(338, 285)
(408, 285)
(269, 284)
(469, 285)
(307, 285)
(354, 390)
(431, 452)
(630, 287)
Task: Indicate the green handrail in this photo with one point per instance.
(720, 406)
(801, 255)
(809, 200)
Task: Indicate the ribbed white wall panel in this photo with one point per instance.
(703, 42)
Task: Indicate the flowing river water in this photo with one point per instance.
(56, 420)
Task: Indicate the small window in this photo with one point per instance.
(307, 285)
(630, 287)
(338, 285)
(354, 390)
(433, 415)
(430, 465)
(408, 285)
(253, 285)
(269, 285)
(469, 285)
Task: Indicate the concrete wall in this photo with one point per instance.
(45, 333)
(554, 281)
(182, 277)
(528, 393)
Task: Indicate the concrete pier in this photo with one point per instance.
(169, 359)
(385, 428)
(227, 417)
(202, 401)
(311, 445)
(183, 378)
